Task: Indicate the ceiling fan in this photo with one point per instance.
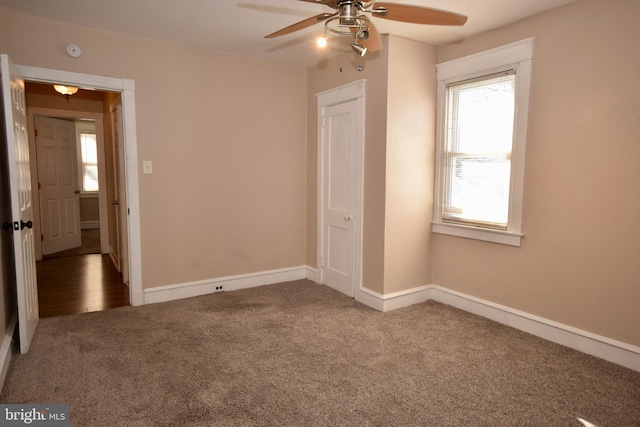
(350, 19)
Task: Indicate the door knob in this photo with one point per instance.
(348, 217)
(7, 226)
(115, 202)
(77, 191)
(27, 224)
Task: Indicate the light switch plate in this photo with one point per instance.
(147, 167)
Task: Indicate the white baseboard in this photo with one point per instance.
(605, 348)
(312, 274)
(85, 225)
(5, 348)
(230, 283)
(395, 300)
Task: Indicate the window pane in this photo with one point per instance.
(480, 117)
(479, 189)
(89, 149)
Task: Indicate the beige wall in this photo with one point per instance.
(89, 209)
(227, 137)
(578, 263)
(409, 164)
(328, 75)
(398, 171)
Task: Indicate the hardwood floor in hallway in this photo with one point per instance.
(79, 284)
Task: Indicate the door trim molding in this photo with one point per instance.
(126, 87)
(354, 91)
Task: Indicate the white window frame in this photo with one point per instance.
(517, 56)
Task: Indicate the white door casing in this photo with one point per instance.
(340, 186)
(15, 118)
(126, 87)
(58, 182)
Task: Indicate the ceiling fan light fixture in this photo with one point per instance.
(322, 42)
(359, 49)
(363, 34)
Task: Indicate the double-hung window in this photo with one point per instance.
(482, 123)
(87, 157)
(89, 162)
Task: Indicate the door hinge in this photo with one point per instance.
(39, 186)
(42, 237)
(36, 132)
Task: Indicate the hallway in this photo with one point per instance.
(79, 284)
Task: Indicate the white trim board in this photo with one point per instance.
(605, 348)
(126, 87)
(223, 284)
(395, 300)
(5, 348)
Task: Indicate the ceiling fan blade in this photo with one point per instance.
(300, 25)
(330, 3)
(418, 14)
(373, 43)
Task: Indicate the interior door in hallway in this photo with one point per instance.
(339, 137)
(16, 143)
(58, 182)
(119, 245)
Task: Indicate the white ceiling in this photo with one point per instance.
(238, 27)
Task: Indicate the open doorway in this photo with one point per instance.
(68, 181)
(75, 167)
(125, 88)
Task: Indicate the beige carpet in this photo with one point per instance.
(300, 354)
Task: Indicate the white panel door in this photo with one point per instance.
(339, 133)
(59, 187)
(15, 120)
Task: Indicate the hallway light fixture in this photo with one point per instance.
(67, 91)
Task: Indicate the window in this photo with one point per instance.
(89, 162)
(477, 153)
(87, 147)
(482, 122)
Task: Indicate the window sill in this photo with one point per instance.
(494, 236)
